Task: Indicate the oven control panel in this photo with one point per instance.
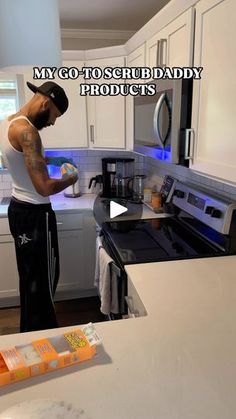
(167, 188)
(214, 211)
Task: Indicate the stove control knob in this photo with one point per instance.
(209, 210)
(216, 213)
(179, 193)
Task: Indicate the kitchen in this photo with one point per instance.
(191, 331)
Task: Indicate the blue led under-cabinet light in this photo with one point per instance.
(162, 154)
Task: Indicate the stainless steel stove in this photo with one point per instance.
(202, 225)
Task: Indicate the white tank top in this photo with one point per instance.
(22, 186)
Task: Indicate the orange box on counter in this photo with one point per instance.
(45, 355)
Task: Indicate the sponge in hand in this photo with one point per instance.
(68, 169)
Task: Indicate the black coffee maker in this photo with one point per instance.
(117, 176)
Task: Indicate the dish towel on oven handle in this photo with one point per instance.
(106, 280)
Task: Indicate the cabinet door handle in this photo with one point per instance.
(59, 223)
(189, 144)
(130, 304)
(158, 53)
(163, 41)
(92, 133)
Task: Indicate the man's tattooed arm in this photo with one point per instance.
(31, 145)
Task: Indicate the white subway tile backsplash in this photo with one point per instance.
(91, 160)
(7, 177)
(94, 153)
(89, 165)
(8, 185)
(83, 182)
(157, 169)
(99, 161)
(79, 153)
(7, 192)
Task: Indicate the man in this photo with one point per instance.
(31, 218)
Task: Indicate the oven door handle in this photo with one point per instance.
(115, 269)
(156, 119)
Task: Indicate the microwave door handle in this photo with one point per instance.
(156, 117)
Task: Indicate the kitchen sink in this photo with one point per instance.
(5, 200)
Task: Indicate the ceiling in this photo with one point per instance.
(127, 15)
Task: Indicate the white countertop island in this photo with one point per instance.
(178, 362)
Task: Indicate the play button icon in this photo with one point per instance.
(116, 209)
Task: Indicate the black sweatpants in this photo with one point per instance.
(35, 234)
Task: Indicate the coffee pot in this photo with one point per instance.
(117, 173)
(96, 180)
(136, 185)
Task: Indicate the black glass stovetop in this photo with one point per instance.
(162, 239)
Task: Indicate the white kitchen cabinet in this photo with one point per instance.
(76, 238)
(106, 114)
(134, 59)
(214, 105)
(173, 45)
(70, 130)
(137, 58)
(72, 267)
(9, 283)
(153, 49)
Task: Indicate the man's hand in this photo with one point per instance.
(58, 161)
(73, 178)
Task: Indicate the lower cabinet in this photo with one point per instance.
(71, 260)
(77, 237)
(9, 283)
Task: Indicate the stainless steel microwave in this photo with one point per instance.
(161, 121)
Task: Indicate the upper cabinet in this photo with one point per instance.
(70, 130)
(214, 105)
(155, 50)
(106, 114)
(135, 59)
(172, 45)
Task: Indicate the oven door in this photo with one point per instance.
(158, 120)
